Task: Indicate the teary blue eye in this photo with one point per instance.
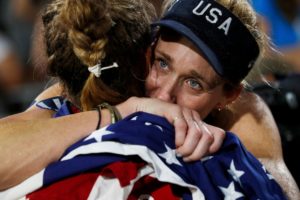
(162, 63)
(194, 84)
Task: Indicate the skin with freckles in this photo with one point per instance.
(179, 74)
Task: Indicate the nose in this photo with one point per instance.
(167, 90)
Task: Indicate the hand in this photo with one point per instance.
(194, 138)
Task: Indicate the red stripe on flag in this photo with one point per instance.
(80, 186)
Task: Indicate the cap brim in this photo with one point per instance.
(202, 47)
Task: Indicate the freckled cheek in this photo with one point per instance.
(199, 103)
(188, 101)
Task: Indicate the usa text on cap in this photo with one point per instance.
(221, 37)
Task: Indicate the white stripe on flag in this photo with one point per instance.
(162, 171)
(20, 191)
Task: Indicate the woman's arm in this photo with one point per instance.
(31, 140)
(193, 138)
(27, 145)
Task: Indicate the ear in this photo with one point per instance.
(233, 94)
(229, 97)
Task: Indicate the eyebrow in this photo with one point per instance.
(194, 73)
(201, 77)
(166, 56)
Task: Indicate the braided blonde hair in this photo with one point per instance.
(83, 33)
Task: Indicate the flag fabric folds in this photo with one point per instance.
(136, 159)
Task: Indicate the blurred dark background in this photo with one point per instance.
(21, 55)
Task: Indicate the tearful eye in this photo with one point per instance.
(162, 63)
(194, 84)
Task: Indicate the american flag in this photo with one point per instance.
(135, 159)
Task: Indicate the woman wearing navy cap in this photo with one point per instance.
(191, 68)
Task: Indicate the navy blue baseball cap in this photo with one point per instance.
(219, 35)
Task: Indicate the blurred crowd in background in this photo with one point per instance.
(21, 55)
(22, 60)
(280, 19)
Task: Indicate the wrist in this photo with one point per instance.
(114, 112)
(128, 107)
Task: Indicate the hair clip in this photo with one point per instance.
(97, 69)
(113, 23)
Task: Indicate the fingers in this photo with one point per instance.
(193, 138)
(219, 136)
(184, 130)
(180, 126)
(195, 142)
(200, 138)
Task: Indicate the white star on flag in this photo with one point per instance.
(134, 118)
(170, 156)
(98, 134)
(230, 193)
(141, 157)
(236, 174)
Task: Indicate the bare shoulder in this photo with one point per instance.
(252, 121)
